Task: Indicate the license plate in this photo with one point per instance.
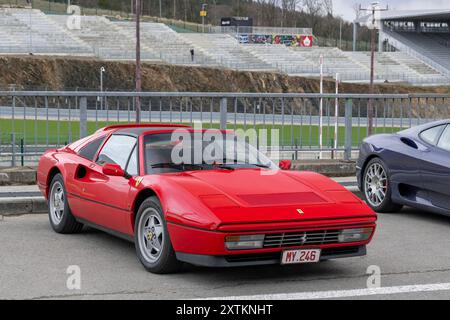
(300, 256)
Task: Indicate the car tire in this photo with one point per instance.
(377, 189)
(152, 240)
(61, 218)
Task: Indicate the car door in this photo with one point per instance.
(106, 198)
(436, 170)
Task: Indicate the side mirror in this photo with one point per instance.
(113, 170)
(285, 164)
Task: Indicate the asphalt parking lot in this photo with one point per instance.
(410, 248)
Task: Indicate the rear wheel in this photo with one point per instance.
(377, 187)
(153, 246)
(60, 216)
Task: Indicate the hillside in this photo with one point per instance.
(54, 73)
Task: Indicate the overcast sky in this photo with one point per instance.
(345, 7)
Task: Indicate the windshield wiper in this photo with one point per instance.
(260, 165)
(180, 166)
(228, 166)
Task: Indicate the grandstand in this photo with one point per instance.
(418, 51)
(424, 35)
(228, 52)
(24, 31)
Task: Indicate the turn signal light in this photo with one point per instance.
(244, 242)
(355, 235)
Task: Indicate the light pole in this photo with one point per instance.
(102, 70)
(321, 108)
(203, 14)
(138, 61)
(336, 114)
(30, 2)
(373, 9)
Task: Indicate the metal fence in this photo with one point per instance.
(32, 121)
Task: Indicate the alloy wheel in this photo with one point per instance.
(376, 184)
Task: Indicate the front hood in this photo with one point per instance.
(257, 188)
(260, 196)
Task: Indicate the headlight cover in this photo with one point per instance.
(244, 242)
(355, 235)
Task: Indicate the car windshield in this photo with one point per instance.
(188, 151)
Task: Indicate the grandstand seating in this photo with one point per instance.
(397, 66)
(169, 45)
(24, 30)
(335, 61)
(433, 44)
(227, 51)
(107, 40)
(284, 59)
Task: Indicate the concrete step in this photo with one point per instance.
(329, 168)
(18, 176)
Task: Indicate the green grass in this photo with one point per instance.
(62, 132)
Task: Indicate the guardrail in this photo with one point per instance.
(33, 121)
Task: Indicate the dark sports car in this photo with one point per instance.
(409, 168)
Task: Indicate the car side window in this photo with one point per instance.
(444, 141)
(90, 150)
(432, 135)
(117, 150)
(132, 168)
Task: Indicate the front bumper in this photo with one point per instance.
(207, 248)
(255, 259)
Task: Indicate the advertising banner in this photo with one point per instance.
(287, 40)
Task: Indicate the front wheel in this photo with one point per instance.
(60, 216)
(153, 246)
(377, 187)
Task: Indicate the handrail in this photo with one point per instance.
(219, 95)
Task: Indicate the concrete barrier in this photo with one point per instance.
(329, 168)
(18, 206)
(18, 176)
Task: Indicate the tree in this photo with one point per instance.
(328, 7)
(315, 9)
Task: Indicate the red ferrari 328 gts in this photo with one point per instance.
(122, 180)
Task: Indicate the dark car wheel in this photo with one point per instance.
(377, 187)
(61, 218)
(151, 237)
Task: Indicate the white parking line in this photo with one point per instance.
(342, 293)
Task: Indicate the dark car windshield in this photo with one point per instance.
(188, 151)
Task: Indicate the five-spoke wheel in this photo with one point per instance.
(152, 240)
(151, 237)
(57, 202)
(60, 216)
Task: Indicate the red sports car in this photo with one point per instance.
(244, 211)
